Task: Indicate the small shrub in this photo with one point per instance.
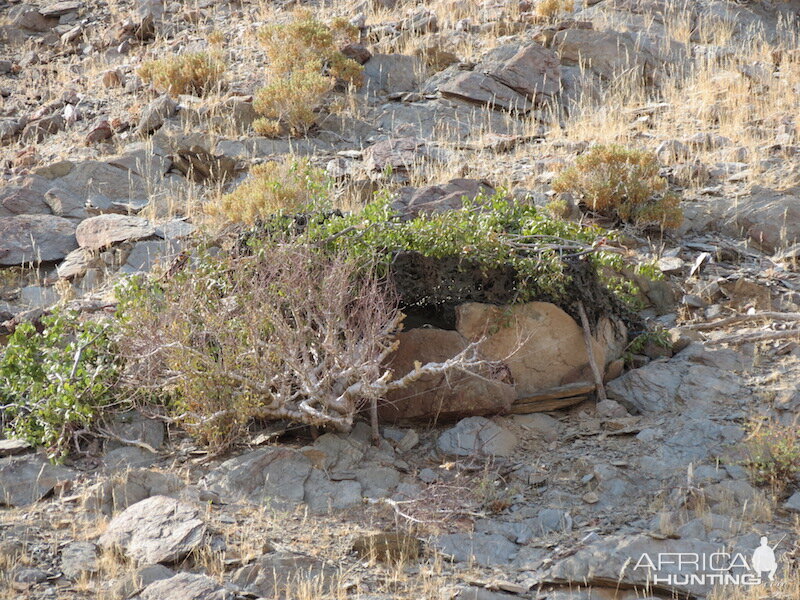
(621, 184)
(285, 186)
(552, 8)
(304, 65)
(773, 454)
(194, 73)
(54, 383)
(290, 333)
(288, 103)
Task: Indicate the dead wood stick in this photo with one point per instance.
(587, 338)
(759, 336)
(775, 316)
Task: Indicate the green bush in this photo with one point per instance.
(623, 184)
(548, 259)
(55, 383)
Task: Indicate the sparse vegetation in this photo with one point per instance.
(193, 73)
(277, 186)
(773, 454)
(304, 65)
(622, 184)
(552, 8)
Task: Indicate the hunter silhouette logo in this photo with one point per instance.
(715, 568)
(764, 559)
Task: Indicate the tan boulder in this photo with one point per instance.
(441, 397)
(541, 344)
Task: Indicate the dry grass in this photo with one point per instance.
(193, 73)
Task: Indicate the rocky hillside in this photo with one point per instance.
(389, 299)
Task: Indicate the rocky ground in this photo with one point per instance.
(458, 95)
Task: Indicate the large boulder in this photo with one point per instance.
(186, 586)
(26, 479)
(392, 74)
(156, 530)
(541, 344)
(267, 475)
(447, 396)
(35, 238)
(510, 77)
(769, 218)
(609, 54)
(103, 231)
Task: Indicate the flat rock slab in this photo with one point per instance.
(60, 8)
(266, 475)
(79, 559)
(186, 586)
(26, 479)
(484, 549)
(156, 530)
(276, 575)
(613, 560)
(35, 238)
(103, 231)
(14, 448)
(477, 436)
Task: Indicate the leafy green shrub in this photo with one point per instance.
(286, 185)
(192, 73)
(773, 454)
(54, 383)
(622, 184)
(493, 239)
(304, 65)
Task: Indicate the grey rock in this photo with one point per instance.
(156, 530)
(145, 255)
(276, 575)
(76, 264)
(129, 487)
(186, 586)
(483, 549)
(440, 198)
(392, 74)
(65, 203)
(140, 578)
(544, 426)
(9, 128)
(132, 425)
(29, 575)
(377, 482)
(28, 198)
(793, 503)
(79, 559)
(100, 232)
(475, 593)
(63, 7)
(323, 495)
(263, 476)
(26, 479)
(606, 53)
(611, 560)
(35, 238)
(482, 89)
(37, 296)
(528, 69)
(554, 520)
(96, 179)
(477, 436)
(14, 448)
(342, 452)
(128, 457)
(154, 115)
